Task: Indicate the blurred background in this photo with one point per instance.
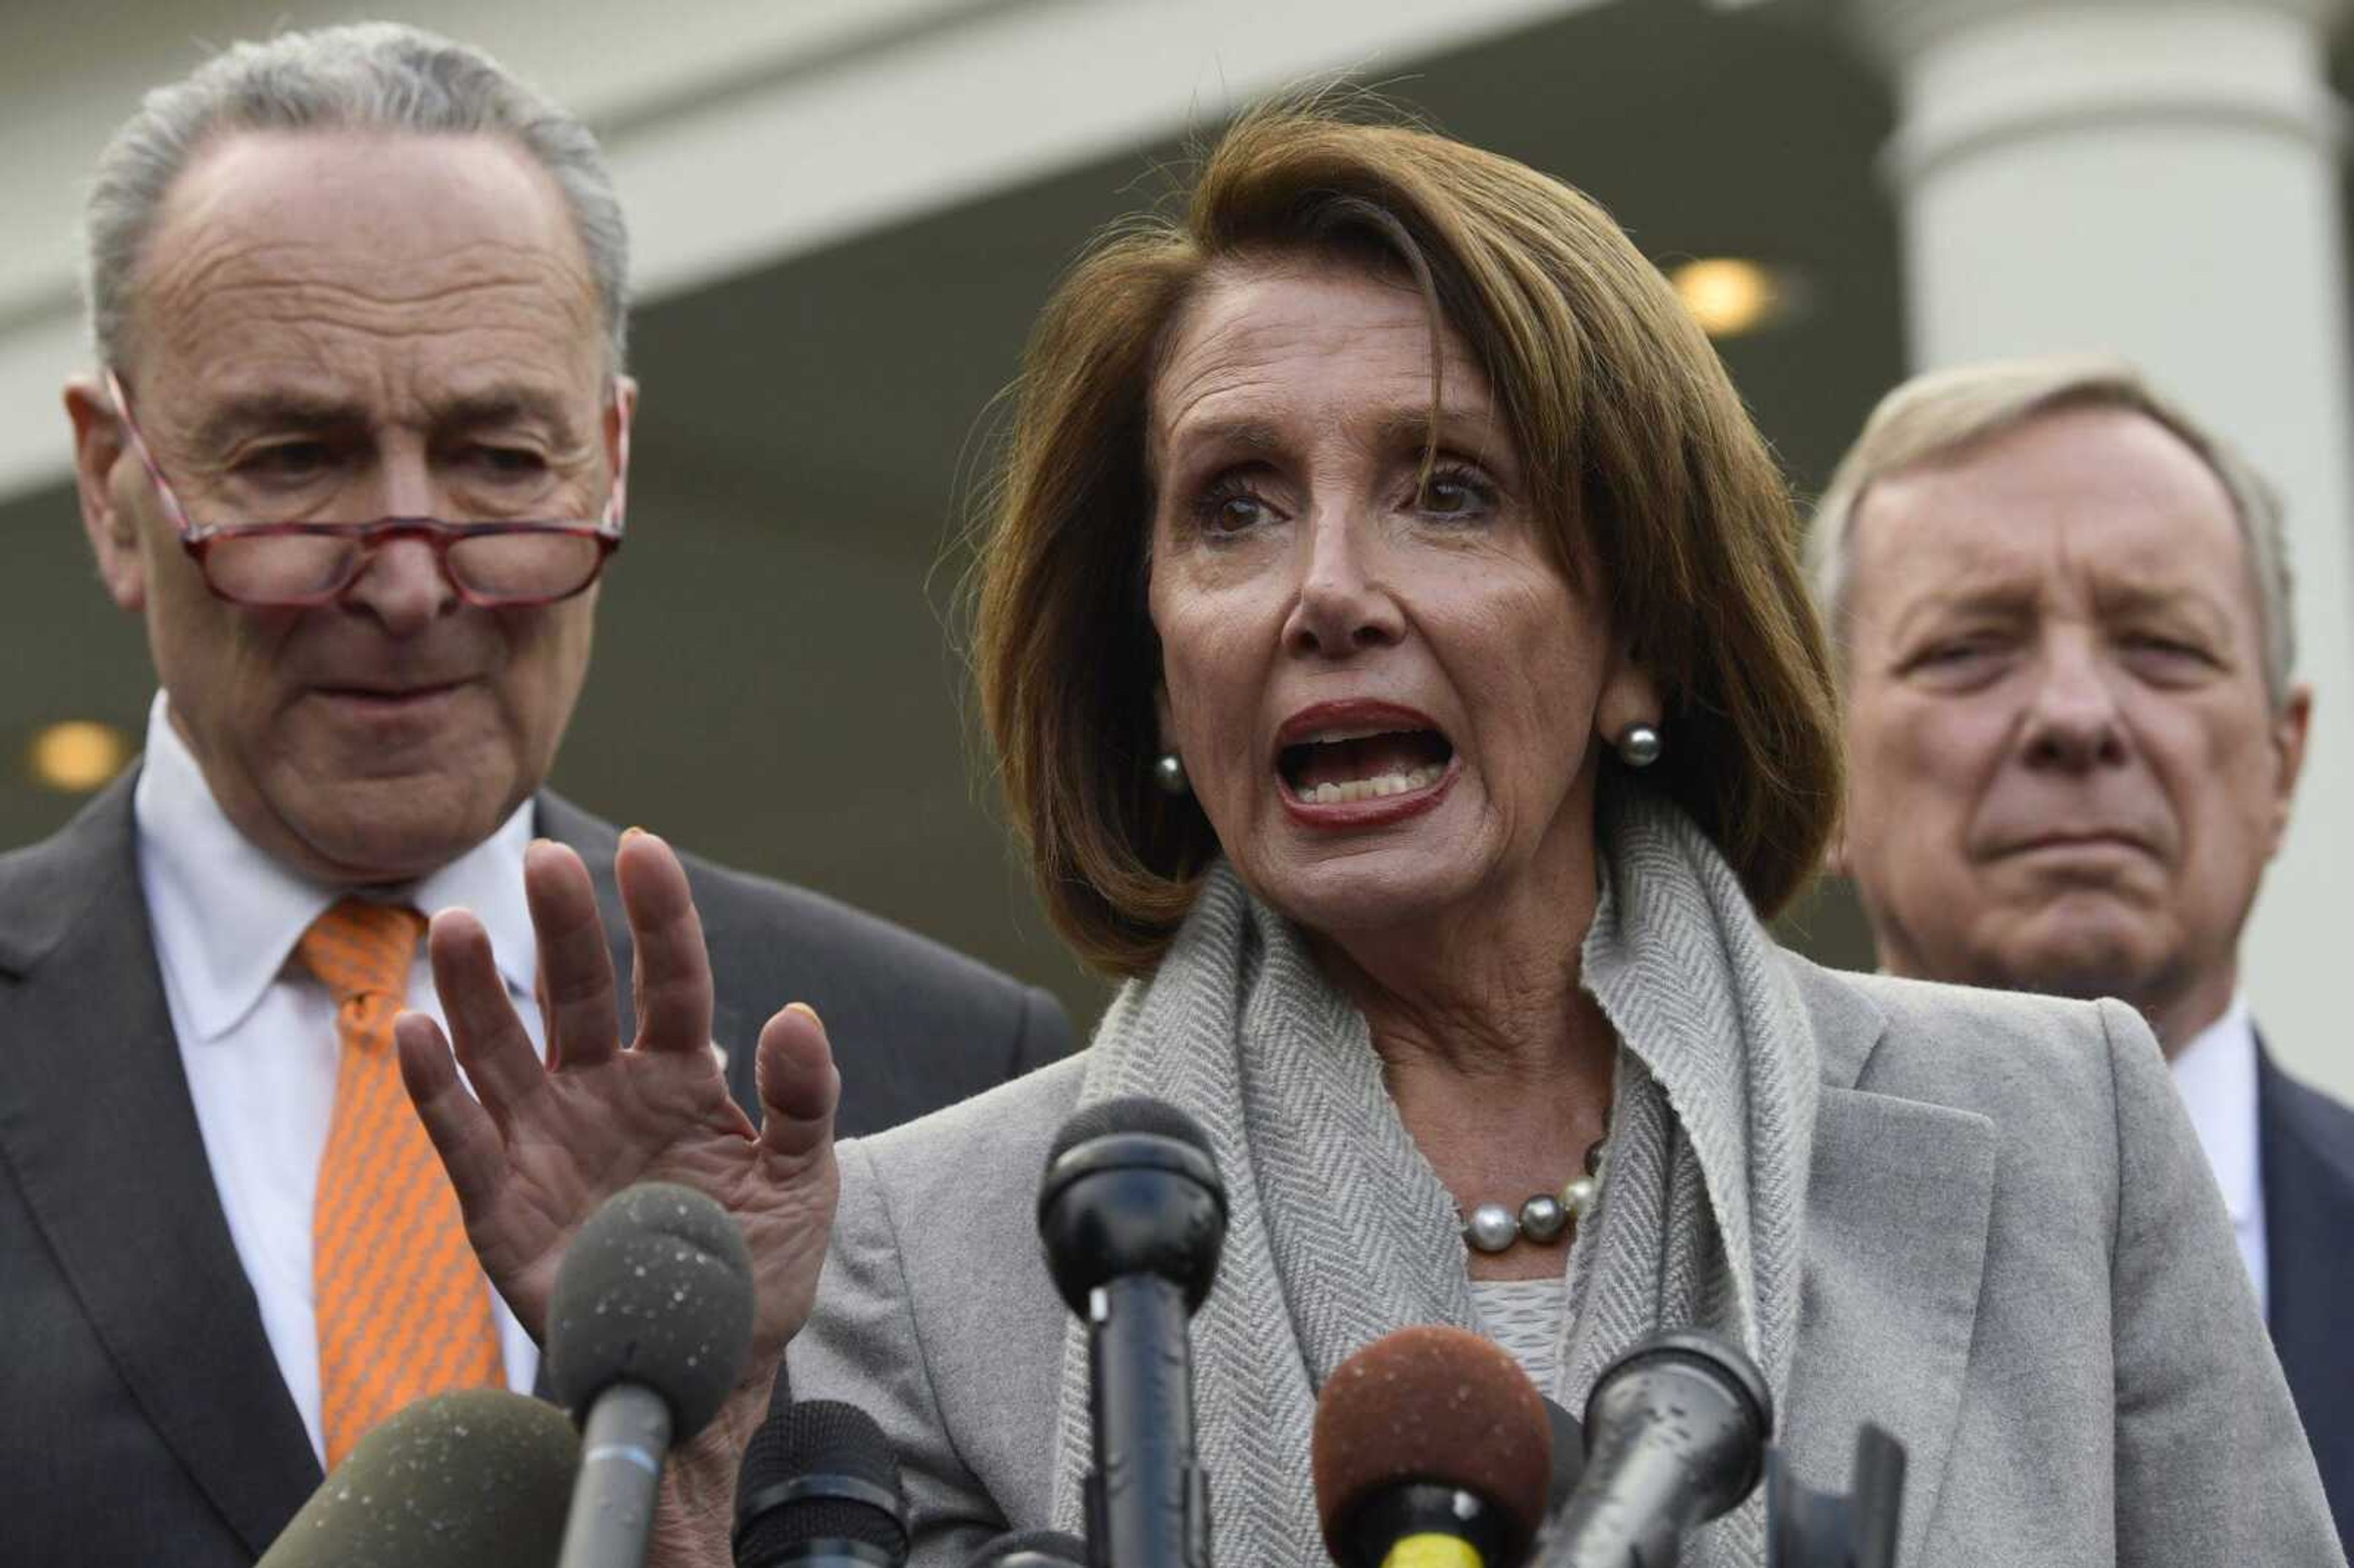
(847, 212)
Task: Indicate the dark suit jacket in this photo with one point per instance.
(142, 1417)
(2306, 1144)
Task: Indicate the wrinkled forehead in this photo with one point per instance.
(2095, 504)
(1305, 335)
(364, 255)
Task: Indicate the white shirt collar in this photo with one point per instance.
(2215, 1073)
(228, 916)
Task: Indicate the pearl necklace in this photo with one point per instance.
(1544, 1218)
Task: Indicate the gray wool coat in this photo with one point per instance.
(2015, 1259)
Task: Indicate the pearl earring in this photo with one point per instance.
(1639, 745)
(1168, 774)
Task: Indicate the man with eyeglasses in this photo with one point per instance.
(357, 451)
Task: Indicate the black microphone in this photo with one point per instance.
(647, 1334)
(1675, 1436)
(1568, 1455)
(477, 1478)
(1854, 1528)
(819, 1488)
(1430, 1446)
(1032, 1549)
(1132, 1214)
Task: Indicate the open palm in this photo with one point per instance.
(537, 1147)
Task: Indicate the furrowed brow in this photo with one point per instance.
(2129, 598)
(1991, 601)
(507, 406)
(1472, 428)
(1254, 437)
(244, 414)
(1245, 435)
(2185, 605)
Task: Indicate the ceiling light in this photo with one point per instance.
(78, 755)
(1730, 295)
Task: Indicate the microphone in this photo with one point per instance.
(1855, 1528)
(820, 1488)
(1568, 1455)
(1032, 1549)
(1430, 1446)
(647, 1334)
(477, 1478)
(1132, 1213)
(1675, 1436)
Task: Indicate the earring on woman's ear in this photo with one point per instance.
(1168, 774)
(1639, 745)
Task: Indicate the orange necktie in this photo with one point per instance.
(402, 1308)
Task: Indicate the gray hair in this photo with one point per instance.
(369, 76)
(1938, 414)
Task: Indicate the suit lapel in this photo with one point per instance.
(98, 1129)
(2308, 1184)
(1899, 1202)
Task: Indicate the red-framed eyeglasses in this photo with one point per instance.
(290, 566)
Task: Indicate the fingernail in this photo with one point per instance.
(629, 833)
(805, 1007)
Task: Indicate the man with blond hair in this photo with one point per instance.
(353, 448)
(2062, 619)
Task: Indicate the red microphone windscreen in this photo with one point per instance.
(1436, 1404)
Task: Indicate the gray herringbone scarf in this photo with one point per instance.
(1339, 1233)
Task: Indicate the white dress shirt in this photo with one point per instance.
(257, 1033)
(2216, 1074)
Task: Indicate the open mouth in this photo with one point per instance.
(1337, 767)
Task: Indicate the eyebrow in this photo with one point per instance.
(2015, 599)
(507, 406)
(2130, 599)
(1416, 428)
(278, 409)
(1250, 434)
(1399, 428)
(2006, 600)
(282, 410)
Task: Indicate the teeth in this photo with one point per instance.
(1335, 736)
(1372, 788)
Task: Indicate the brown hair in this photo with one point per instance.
(1637, 447)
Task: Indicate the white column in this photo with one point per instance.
(2160, 181)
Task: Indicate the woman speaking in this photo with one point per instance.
(1398, 669)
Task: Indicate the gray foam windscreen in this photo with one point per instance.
(481, 1479)
(656, 1291)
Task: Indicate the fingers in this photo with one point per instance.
(493, 1048)
(672, 972)
(577, 996)
(799, 1086)
(461, 1130)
